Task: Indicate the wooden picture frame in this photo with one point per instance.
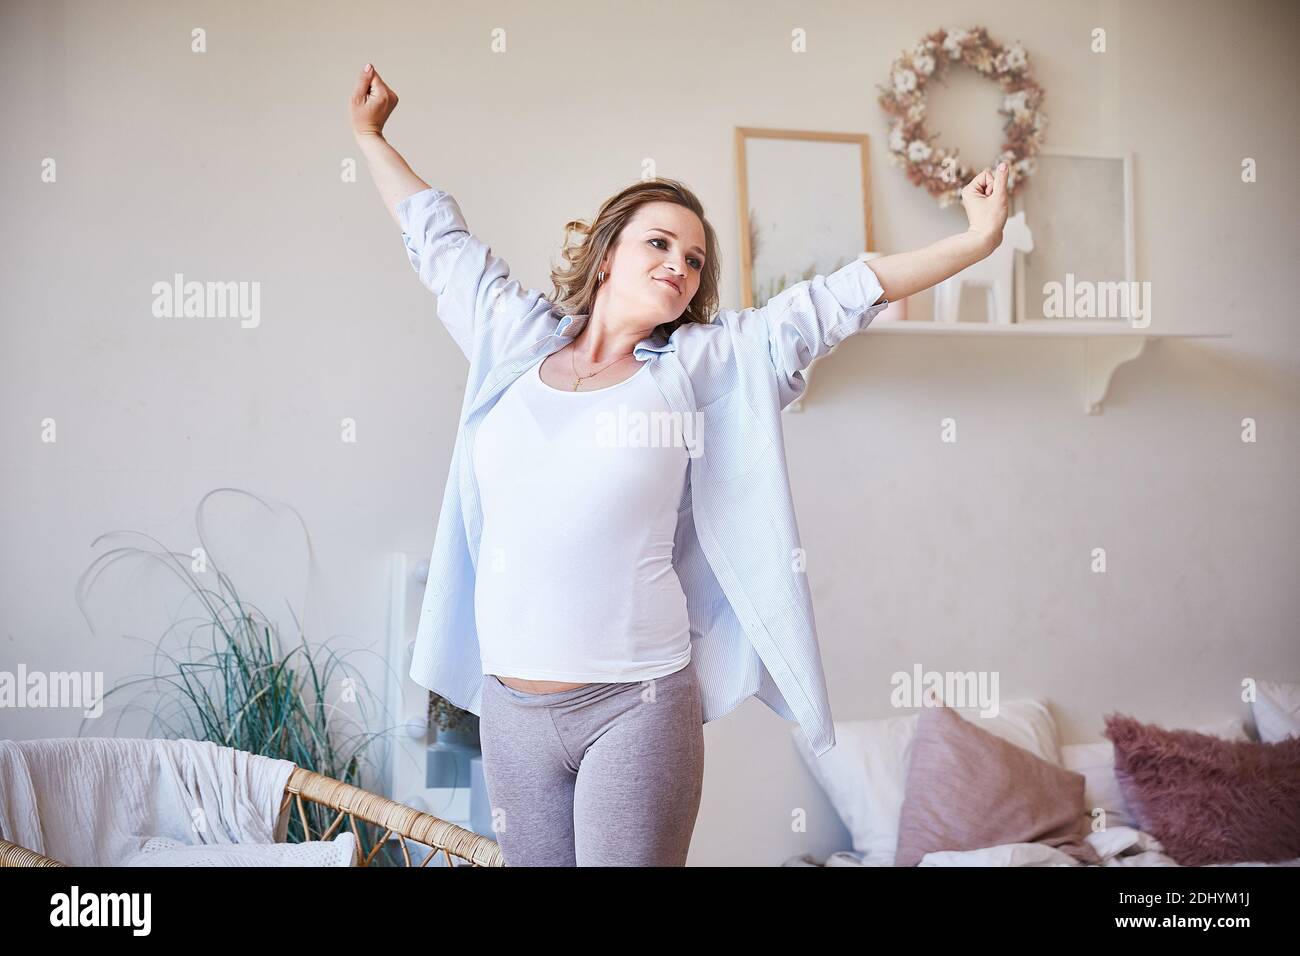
(799, 195)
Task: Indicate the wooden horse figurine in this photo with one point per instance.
(992, 272)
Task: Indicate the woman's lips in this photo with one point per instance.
(670, 285)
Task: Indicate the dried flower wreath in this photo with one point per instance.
(938, 169)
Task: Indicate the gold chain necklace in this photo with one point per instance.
(578, 380)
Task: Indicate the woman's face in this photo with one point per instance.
(661, 246)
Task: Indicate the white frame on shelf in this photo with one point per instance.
(1130, 243)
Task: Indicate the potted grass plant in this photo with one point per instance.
(234, 681)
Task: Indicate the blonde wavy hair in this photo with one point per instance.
(575, 281)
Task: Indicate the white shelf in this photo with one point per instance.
(1069, 328)
(1107, 343)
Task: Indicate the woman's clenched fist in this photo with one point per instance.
(985, 202)
(372, 102)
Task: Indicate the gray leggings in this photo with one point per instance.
(609, 774)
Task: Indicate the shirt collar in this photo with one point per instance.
(656, 341)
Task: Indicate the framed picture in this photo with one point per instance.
(805, 206)
(1079, 208)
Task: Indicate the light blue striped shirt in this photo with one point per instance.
(737, 551)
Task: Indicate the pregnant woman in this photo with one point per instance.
(614, 564)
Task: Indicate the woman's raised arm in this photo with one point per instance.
(488, 314)
(985, 201)
(369, 107)
(809, 319)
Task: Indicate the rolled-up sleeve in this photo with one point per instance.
(478, 302)
(810, 318)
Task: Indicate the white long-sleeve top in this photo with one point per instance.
(587, 591)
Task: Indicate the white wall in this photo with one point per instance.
(974, 555)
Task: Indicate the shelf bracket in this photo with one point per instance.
(1102, 355)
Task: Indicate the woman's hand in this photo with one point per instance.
(372, 102)
(985, 201)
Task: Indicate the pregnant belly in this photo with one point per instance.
(537, 686)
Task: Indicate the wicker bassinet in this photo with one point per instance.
(351, 802)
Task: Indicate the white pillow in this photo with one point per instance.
(865, 773)
(1276, 710)
(1096, 762)
(164, 851)
(1100, 788)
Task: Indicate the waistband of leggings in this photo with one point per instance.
(586, 692)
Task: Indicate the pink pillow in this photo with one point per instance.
(968, 789)
(1209, 800)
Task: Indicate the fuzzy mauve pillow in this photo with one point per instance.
(1209, 800)
(968, 789)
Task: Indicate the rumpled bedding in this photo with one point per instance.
(1117, 846)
